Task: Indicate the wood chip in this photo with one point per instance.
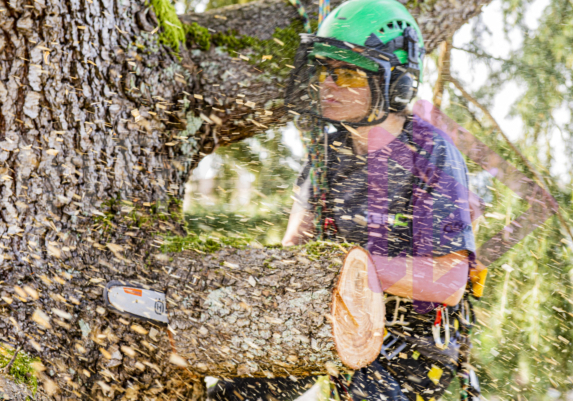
(62, 314)
(105, 353)
(230, 265)
(128, 351)
(20, 292)
(177, 360)
(41, 319)
(138, 329)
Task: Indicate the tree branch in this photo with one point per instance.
(443, 71)
(540, 180)
(481, 54)
(260, 18)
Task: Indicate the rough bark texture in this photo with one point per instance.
(250, 312)
(98, 127)
(267, 315)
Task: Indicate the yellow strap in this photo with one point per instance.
(478, 281)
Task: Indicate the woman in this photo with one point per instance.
(388, 182)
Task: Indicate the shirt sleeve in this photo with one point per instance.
(441, 202)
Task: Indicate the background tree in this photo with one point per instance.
(522, 340)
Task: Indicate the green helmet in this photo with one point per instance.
(384, 25)
(378, 36)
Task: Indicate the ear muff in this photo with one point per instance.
(402, 90)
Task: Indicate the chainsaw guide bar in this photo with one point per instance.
(134, 300)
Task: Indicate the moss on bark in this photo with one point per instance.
(278, 51)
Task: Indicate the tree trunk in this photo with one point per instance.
(100, 125)
(236, 312)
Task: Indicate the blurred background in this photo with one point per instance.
(515, 61)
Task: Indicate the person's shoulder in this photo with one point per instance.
(434, 140)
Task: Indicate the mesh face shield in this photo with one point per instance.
(360, 69)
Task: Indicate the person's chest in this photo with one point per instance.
(375, 181)
(369, 191)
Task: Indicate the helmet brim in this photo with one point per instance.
(324, 50)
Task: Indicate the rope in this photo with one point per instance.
(301, 11)
(317, 150)
(318, 179)
(323, 11)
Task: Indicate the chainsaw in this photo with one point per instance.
(134, 300)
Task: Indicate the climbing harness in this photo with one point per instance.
(469, 383)
(390, 349)
(441, 314)
(391, 345)
(466, 312)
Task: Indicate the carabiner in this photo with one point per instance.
(465, 313)
(442, 310)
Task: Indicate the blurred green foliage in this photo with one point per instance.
(522, 345)
(261, 169)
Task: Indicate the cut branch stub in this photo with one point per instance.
(358, 311)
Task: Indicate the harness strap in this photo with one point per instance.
(469, 385)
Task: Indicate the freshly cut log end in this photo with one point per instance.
(358, 311)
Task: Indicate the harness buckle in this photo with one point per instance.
(465, 313)
(387, 351)
(397, 309)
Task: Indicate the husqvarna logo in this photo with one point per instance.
(159, 307)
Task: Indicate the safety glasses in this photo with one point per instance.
(343, 77)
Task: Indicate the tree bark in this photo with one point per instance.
(266, 313)
(99, 128)
(236, 312)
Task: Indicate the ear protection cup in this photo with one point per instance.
(402, 90)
